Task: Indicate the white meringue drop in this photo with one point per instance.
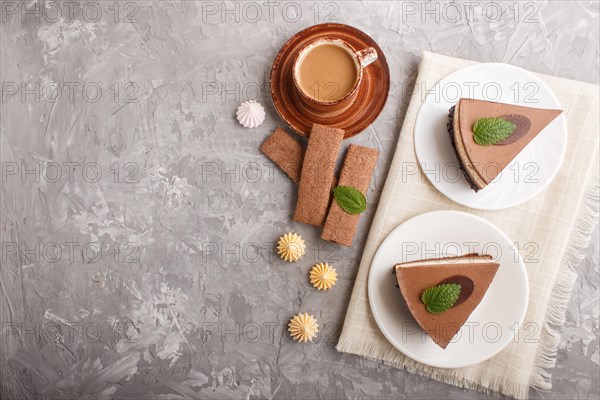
(250, 114)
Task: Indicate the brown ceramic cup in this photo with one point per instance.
(362, 58)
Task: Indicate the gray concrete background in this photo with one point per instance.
(138, 218)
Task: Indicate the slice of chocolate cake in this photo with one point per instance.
(442, 293)
(487, 136)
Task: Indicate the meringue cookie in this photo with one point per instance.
(303, 327)
(291, 247)
(250, 114)
(323, 276)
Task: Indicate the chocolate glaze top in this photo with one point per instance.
(466, 289)
(523, 125)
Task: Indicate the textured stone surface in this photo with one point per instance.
(154, 275)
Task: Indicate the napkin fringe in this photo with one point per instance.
(575, 253)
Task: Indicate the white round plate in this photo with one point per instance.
(494, 322)
(528, 174)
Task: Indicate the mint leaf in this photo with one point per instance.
(488, 131)
(351, 200)
(440, 298)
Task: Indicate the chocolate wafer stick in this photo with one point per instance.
(357, 170)
(286, 152)
(317, 174)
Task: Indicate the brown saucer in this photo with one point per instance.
(372, 93)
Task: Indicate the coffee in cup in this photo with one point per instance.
(329, 71)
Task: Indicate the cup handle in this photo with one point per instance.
(366, 56)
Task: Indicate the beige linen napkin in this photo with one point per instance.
(560, 220)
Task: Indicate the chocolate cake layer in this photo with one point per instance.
(450, 126)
